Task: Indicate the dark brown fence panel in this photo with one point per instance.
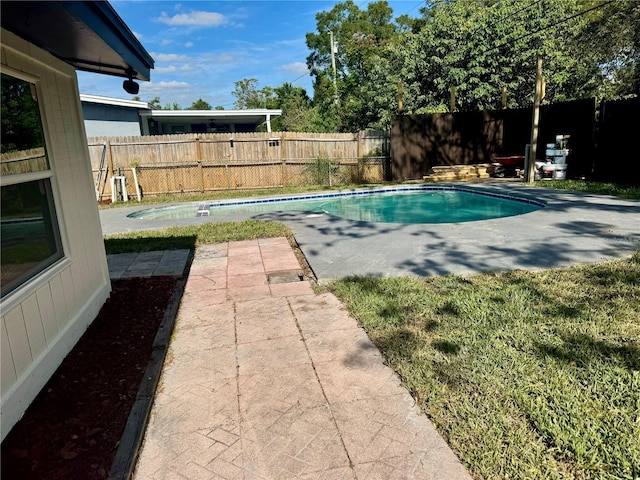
(420, 142)
(618, 154)
(409, 159)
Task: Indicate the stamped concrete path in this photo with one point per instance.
(266, 380)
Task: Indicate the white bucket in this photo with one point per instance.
(560, 172)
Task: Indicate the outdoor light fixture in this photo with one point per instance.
(130, 86)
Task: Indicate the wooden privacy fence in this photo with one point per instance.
(206, 162)
(23, 161)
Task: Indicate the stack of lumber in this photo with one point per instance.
(449, 173)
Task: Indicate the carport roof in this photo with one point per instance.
(91, 36)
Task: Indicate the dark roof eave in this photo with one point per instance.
(112, 29)
(91, 36)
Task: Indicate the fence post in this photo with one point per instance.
(360, 140)
(199, 161)
(135, 181)
(529, 175)
(110, 166)
(283, 158)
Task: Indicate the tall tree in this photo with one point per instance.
(155, 103)
(362, 38)
(247, 94)
(613, 36)
(295, 105)
(589, 48)
(480, 49)
(199, 105)
(172, 106)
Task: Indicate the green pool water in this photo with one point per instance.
(422, 205)
(426, 207)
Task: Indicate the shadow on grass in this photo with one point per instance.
(583, 350)
(446, 347)
(149, 244)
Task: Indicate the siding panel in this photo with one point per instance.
(69, 291)
(33, 323)
(47, 313)
(7, 371)
(18, 342)
(60, 308)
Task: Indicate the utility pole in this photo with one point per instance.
(333, 66)
(452, 99)
(537, 99)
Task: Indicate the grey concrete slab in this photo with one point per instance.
(148, 264)
(573, 228)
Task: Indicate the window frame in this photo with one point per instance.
(49, 267)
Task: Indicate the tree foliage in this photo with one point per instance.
(589, 48)
(247, 94)
(363, 39)
(20, 116)
(199, 105)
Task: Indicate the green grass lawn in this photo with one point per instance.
(173, 238)
(527, 374)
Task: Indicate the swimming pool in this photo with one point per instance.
(419, 204)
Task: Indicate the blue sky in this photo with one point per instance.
(201, 48)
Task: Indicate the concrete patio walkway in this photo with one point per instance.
(266, 380)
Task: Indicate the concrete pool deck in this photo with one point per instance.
(573, 228)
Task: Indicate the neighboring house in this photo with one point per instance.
(112, 117)
(158, 122)
(54, 270)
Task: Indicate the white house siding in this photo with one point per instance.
(43, 319)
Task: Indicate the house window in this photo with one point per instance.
(29, 232)
(274, 142)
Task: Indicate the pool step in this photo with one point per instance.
(459, 172)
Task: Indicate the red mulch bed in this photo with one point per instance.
(72, 429)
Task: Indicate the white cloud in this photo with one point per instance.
(224, 58)
(166, 41)
(171, 57)
(295, 68)
(297, 42)
(168, 89)
(169, 69)
(188, 44)
(194, 19)
(139, 36)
